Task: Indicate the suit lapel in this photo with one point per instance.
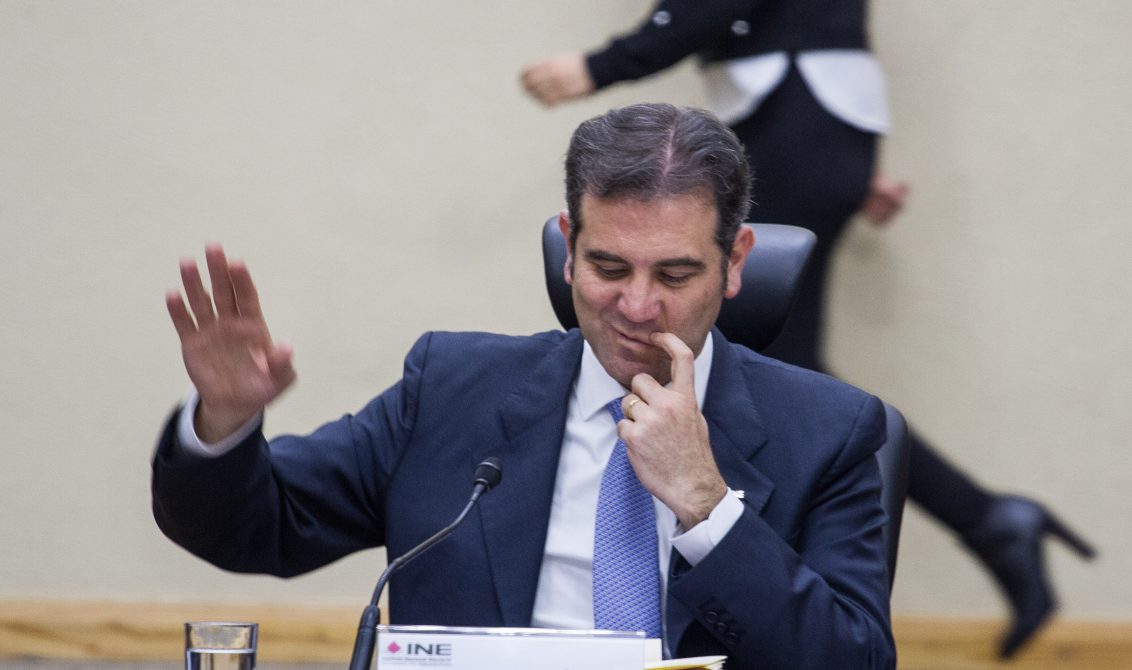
(737, 434)
(735, 425)
(516, 514)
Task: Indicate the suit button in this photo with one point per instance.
(711, 616)
(740, 28)
(731, 639)
(722, 628)
(661, 18)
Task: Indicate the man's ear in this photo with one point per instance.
(744, 242)
(564, 228)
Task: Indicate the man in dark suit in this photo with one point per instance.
(797, 83)
(764, 523)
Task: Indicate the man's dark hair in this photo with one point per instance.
(643, 152)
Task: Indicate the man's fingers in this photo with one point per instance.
(644, 386)
(683, 362)
(199, 301)
(247, 297)
(222, 292)
(630, 404)
(280, 365)
(182, 320)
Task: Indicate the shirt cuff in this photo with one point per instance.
(698, 542)
(191, 443)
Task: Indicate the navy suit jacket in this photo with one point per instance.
(799, 581)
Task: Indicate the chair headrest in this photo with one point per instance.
(753, 318)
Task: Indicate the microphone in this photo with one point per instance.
(487, 476)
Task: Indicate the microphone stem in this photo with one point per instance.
(402, 560)
(366, 638)
(371, 616)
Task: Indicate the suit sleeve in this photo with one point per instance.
(295, 503)
(818, 600)
(673, 30)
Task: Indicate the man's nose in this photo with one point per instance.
(639, 301)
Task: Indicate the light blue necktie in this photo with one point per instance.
(626, 574)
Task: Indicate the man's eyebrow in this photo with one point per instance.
(683, 261)
(599, 255)
(678, 262)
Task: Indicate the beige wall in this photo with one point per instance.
(379, 169)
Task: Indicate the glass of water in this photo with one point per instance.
(220, 645)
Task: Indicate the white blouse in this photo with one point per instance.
(848, 83)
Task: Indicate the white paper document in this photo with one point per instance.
(693, 663)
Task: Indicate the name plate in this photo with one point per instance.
(510, 648)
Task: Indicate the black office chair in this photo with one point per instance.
(754, 318)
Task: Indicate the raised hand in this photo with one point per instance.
(228, 351)
(666, 436)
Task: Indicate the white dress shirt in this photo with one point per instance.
(564, 598)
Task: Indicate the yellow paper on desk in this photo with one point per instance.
(696, 663)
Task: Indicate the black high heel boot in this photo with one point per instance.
(1009, 541)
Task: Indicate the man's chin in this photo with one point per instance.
(624, 370)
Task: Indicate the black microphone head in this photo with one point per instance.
(489, 473)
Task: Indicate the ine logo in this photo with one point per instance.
(417, 649)
(418, 654)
